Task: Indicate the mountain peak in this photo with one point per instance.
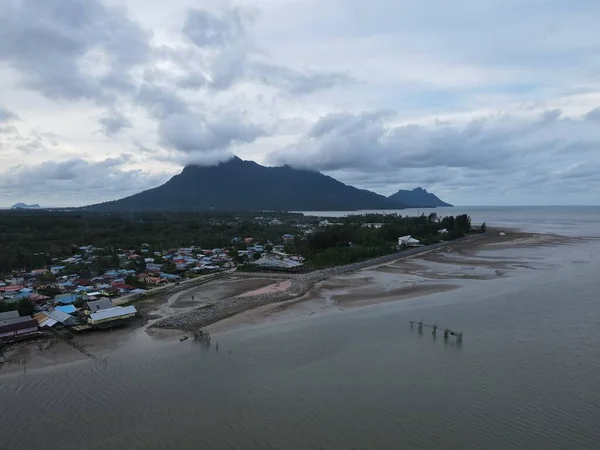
(417, 198)
(239, 185)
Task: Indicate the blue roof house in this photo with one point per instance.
(66, 299)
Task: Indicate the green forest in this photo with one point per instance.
(33, 239)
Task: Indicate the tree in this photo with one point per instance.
(256, 256)
(26, 307)
(483, 227)
(168, 267)
(268, 248)
(78, 303)
(5, 306)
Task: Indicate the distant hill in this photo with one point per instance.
(24, 206)
(245, 185)
(417, 198)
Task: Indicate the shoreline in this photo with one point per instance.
(237, 300)
(301, 284)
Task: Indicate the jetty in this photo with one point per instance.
(447, 331)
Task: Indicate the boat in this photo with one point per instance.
(183, 338)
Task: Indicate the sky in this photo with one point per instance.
(480, 101)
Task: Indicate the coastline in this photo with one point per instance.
(299, 285)
(241, 299)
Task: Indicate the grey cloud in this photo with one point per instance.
(161, 102)
(297, 82)
(6, 115)
(48, 43)
(197, 137)
(76, 181)
(233, 58)
(494, 150)
(114, 122)
(213, 29)
(593, 115)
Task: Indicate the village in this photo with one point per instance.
(36, 303)
(96, 287)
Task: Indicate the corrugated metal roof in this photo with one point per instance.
(9, 315)
(66, 309)
(59, 316)
(44, 321)
(112, 313)
(14, 320)
(99, 305)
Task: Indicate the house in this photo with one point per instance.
(112, 317)
(170, 277)
(98, 305)
(277, 264)
(138, 291)
(57, 269)
(66, 299)
(44, 321)
(39, 272)
(38, 298)
(408, 241)
(123, 288)
(68, 309)
(155, 280)
(8, 315)
(17, 280)
(288, 237)
(17, 326)
(443, 231)
(60, 317)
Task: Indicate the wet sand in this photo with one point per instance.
(427, 273)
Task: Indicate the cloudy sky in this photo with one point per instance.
(482, 101)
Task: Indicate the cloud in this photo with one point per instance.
(161, 102)
(296, 82)
(215, 28)
(71, 49)
(76, 181)
(114, 122)
(234, 58)
(593, 115)
(502, 151)
(6, 115)
(206, 141)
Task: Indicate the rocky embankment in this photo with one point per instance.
(300, 284)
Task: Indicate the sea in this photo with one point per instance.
(526, 375)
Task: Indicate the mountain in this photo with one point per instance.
(417, 198)
(24, 206)
(245, 185)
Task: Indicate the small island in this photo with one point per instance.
(25, 206)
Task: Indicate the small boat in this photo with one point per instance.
(183, 338)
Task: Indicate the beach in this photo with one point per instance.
(244, 300)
